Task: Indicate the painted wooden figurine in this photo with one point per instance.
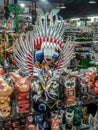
(69, 90)
(30, 125)
(43, 56)
(55, 123)
(22, 89)
(5, 93)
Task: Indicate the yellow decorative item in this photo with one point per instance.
(45, 88)
(5, 92)
(85, 115)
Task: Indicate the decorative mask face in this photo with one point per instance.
(5, 111)
(5, 89)
(70, 90)
(45, 54)
(4, 102)
(23, 85)
(42, 54)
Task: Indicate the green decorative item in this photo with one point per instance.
(77, 119)
(16, 10)
(69, 118)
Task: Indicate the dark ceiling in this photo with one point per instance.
(79, 8)
(74, 8)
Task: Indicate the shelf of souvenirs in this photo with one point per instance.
(82, 42)
(24, 118)
(79, 30)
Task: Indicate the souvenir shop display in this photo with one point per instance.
(40, 90)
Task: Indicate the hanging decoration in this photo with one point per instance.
(16, 10)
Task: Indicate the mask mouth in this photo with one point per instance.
(70, 101)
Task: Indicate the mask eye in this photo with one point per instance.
(67, 84)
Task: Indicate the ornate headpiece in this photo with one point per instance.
(42, 52)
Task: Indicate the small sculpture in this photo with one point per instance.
(55, 123)
(22, 89)
(83, 89)
(42, 55)
(5, 93)
(30, 125)
(69, 90)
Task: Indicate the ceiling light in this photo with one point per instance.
(43, 0)
(22, 5)
(62, 6)
(92, 2)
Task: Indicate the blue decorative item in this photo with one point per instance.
(42, 107)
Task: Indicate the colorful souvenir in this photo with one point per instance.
(77, 119)
(92, 75)
(43, 56)
(5, 93)
(69, 90)
(83, 90)
(55, 123)
(30, 125)
(22, 90)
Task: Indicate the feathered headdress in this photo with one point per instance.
(42, 51)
